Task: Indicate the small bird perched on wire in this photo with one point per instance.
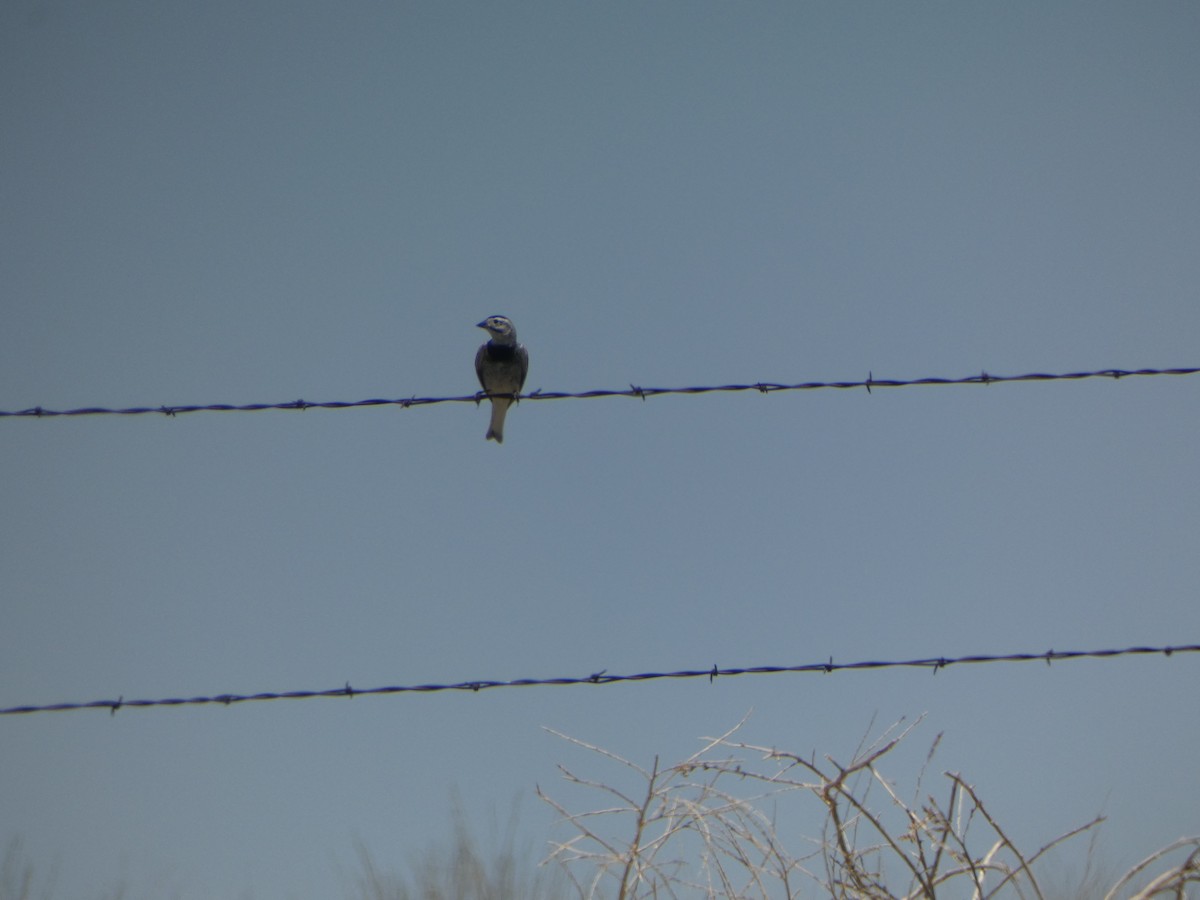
(501, 365)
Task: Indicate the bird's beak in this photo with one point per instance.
(482, 325)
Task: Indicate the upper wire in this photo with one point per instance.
(762, 387)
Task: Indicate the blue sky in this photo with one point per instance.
(238, 203)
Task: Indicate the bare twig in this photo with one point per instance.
(1176, 878)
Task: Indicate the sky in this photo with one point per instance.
(260, 202)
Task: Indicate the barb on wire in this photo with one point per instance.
(762, 387)
(604, 677)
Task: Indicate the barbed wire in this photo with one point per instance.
(636, 391)
(604, 677)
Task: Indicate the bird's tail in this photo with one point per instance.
(495, 430)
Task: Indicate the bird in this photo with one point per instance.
(501, 365)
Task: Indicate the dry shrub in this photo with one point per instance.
(701, 828)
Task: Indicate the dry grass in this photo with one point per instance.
(462, 869)
(17, 878)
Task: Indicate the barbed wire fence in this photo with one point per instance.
(935, 664)
(603, 676)
(635, 391)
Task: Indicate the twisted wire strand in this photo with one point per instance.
(762, 387)
(604, 677)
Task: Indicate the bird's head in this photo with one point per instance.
(500, 329)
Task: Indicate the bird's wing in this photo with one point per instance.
(482, 352)
(523, 359)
